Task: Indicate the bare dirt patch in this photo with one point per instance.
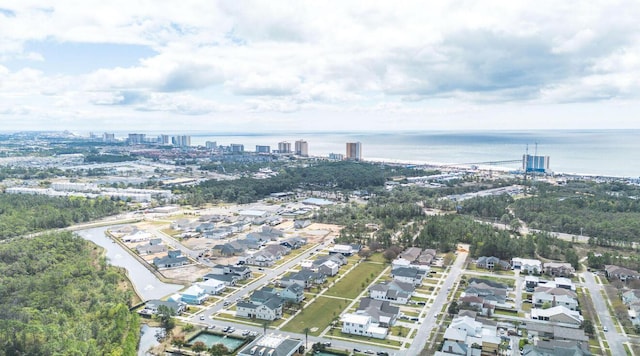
(189, 273)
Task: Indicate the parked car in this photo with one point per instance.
(327, 344)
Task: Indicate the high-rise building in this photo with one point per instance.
(108, 137)
(237, 148)
(336, 156)
(164, 140)
(354, 151)
(181, 141)
(211, 145)
(302, 148)
(136, 139)
(284, 147)
(263, 149)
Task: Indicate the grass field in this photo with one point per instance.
(351, 285)
(318, 315)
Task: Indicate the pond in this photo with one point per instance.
(145, 282)
(148, 339)
(231, 343)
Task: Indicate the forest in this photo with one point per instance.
(59, 297)
(22, 214)
(334, 176)
(609, 213)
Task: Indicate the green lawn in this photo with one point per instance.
(351, 285)
(317, 315)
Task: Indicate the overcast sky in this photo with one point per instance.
(246, 66)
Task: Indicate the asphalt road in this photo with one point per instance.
(429, 322)
(614, 339)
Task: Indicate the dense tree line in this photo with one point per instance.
(22, 214)
(58, 297)
(110, 158)
(609, 213)
(345, 176)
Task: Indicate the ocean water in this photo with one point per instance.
(593, 152)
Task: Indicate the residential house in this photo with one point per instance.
(558, 269)
(329, 268)
(271, 309)
(293, 293)
(277, 250)
(381, 312)
(544, 330)
(393, 291)
(345, 250)
(492, 262)
(301, 224)
(555, 347)
(263, 294)
(304, 278)
(409, 275)
(173, 258)
(558, 314)
(426, 257)
(205, 226)
(457, 348)
(138, 236)
(530, 283)
(294, 242)
(363, 325)
(151, 307)
(212, 286)
(150, 248)
(242, 272)
(562, 282)
(621, 273)
(530, 266)
(491, 292)
(194, 295)
(217, 233)
(228, 279)
(411, 254)
(228, 249)
(553, 296)
(261, 259)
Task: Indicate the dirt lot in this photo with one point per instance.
(189, 273)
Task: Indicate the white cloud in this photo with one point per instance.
(299, 57)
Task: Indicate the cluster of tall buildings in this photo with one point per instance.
(300, 147)
(164, 140)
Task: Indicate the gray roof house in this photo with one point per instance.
(381, 312)
(174, 258)
(408, 275)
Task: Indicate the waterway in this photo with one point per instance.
(145, 282)
(148, 339)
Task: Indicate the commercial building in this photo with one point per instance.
(539, 164)
(211, 145)
(236, 148)
(302, 148)
(354, 151)
(273, 345)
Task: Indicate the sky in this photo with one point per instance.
(304, 66)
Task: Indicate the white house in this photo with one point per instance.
(212, 286)
(269, 310)
(408, 275)
(530, 266)
(558, 314)
(555, 297)
(361, 324)
(394, 291)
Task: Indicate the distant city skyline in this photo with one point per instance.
(296, 66)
